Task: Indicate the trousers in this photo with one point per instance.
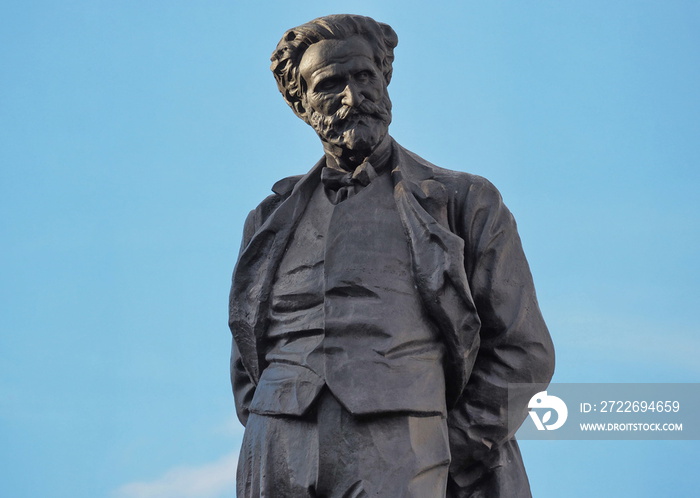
(330, 453)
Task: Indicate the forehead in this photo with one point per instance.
(328, 55)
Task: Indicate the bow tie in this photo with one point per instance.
(340, 185)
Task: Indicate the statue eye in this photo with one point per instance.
(363, 76)
(327, 84)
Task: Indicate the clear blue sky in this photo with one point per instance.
(136, 136)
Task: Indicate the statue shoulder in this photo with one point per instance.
(459, 184)
(285, 186)
(469, 187)
(281, 190)
(462, 181)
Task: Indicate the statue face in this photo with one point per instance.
(346, 101)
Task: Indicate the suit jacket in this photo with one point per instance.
(475, 283)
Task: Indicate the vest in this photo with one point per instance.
(345, 313)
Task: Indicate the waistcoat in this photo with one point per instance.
(345, 313)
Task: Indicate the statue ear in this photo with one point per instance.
(298, 106)
(299, 109)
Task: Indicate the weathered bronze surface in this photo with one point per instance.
(380, 305)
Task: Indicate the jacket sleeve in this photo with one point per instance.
(243, 386)
(515, 346)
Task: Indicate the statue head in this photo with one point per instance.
(334, 72)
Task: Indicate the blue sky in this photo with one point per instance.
(136, 136)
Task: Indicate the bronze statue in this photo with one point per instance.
(380, 304)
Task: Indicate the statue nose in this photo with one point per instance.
(352, 97)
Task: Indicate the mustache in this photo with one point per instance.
(366, 109)
(347, 117)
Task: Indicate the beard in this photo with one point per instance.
(355, 129)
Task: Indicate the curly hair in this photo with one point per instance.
(287, 56)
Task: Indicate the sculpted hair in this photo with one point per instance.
(287, 56)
